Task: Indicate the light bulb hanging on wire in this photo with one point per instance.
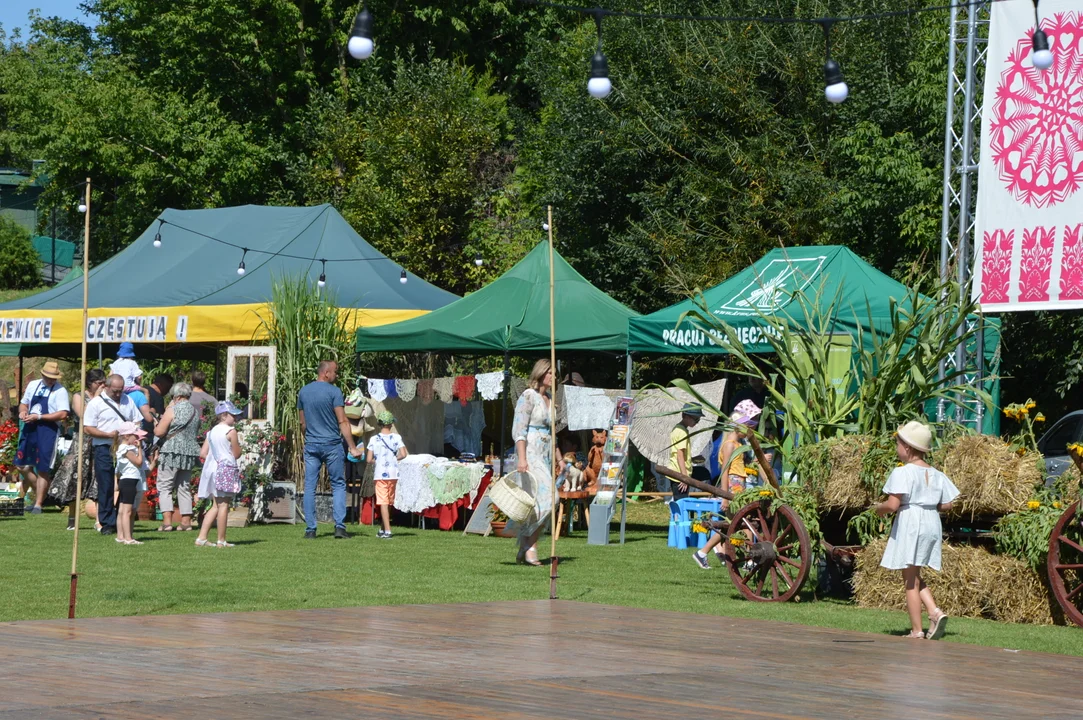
(402, 276)
(158, 234)
(240, 268)
(323, 273)
(599, 85)
(1042, 57)
(361, 45)
(479, 260)
(835, 88)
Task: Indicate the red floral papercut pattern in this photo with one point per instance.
(996, 266)
(1035, 262)
(1036, 129)
(1071, 264)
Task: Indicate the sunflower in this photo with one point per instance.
(1033, 504)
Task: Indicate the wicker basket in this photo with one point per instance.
(512, 500)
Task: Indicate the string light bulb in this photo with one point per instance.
(599, 85)
(402, 276)
(361, 44)
(835, 88)
(158, 234)
(240, 268)
(323, 274)
(1042, 56)
(479, 260)
(82, 207)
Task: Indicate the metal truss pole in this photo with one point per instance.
(967, 49)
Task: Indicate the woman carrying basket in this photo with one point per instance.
(534, 447)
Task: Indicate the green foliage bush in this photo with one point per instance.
(20, 267)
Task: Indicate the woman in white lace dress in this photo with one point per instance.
(534, 447)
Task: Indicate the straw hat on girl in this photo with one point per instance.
(917, 435)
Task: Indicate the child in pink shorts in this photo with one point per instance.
(385, 450)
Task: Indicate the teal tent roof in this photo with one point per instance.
(191, 268)
(511, 314)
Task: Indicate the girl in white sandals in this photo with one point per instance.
(918, 492)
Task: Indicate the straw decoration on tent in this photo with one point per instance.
(973, 583)
(993, 479)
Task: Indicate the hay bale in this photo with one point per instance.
(972, 583)
(992, 478)
(848, 472)
(1067, 485)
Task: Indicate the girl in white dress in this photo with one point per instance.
(919, 493)
(221, 478)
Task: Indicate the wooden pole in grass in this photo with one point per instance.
(82, 375)
(552, 419)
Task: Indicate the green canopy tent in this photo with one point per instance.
(511, 315)
(828, 273)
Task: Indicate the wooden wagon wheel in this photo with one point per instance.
(1065, 564)
(769, 552)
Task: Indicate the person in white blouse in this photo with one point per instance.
(918, 493)
(44, 406)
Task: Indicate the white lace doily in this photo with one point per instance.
(413, 492)
(490, 385)
(444, 388)
(378, 390)
(406, 389)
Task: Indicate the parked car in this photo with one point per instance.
(1054, 444)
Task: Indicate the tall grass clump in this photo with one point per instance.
(305, 326)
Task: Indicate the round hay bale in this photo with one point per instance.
(993, 479)
(973, 582)
(1067, 485)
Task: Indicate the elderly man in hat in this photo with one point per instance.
(680, 446)
(44, 406)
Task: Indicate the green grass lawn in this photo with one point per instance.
(272, 568)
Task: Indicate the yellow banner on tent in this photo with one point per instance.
(189, 323)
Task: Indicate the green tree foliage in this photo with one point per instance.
(420, 161)
(20, 267)
(472, 116)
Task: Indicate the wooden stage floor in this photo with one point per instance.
(506, 661)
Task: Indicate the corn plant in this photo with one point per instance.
(893, 366)
(305, 326)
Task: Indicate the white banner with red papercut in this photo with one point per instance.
(1028, 235)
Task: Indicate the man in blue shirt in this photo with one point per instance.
(324, 424)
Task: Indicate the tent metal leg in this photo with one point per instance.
(624, 495)
(101, 358)
(504, 412)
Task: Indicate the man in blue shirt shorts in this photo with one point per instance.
(324, 424)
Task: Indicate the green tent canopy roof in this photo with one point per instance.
(769, 287)
(511, 314)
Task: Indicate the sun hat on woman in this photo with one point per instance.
(917, 435)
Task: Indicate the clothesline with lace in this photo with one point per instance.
(460, 388)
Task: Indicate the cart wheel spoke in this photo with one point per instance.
(765, 527)
(1074, 592)
(789, 561)
(774, 583)
(1077, 566)
(782, 536)
(784, 576)
(1071, 543)
(763, 579)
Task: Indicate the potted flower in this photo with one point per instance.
(499, 522)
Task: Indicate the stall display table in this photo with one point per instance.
(447, 514)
